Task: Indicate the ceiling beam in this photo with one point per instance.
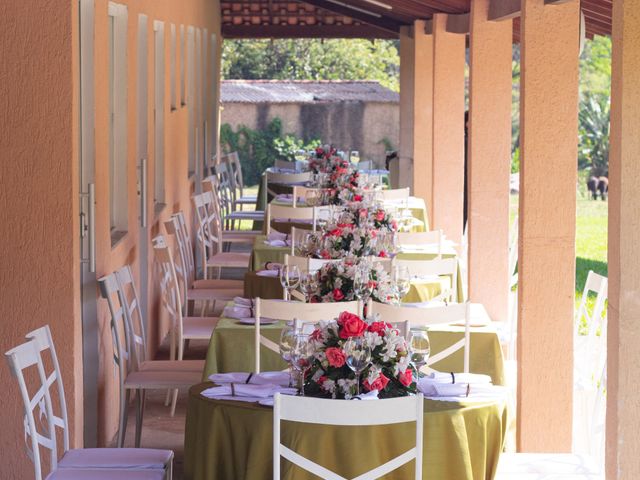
(504, 9)
(456, 23)
(555, 2)
(357, 13)
(305, 31)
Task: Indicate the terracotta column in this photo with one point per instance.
(489, 160)
(546, 266)
(623, 334)
(416, 92)
(448, 128)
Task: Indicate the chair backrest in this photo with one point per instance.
(434, 237)
(298, 236)
(129, 300)
(285, 164)
(39, 429)
(306, 264)
(288, 178)
(435, 267)
(395, 194)
(290, 213)
(421, 317)
(347, 414)
(294, 311)
(185, 239)
(236, 168)
(227, 183)
(300, 192)
(597, 284)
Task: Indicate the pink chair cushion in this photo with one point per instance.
(105, 474)
(125, 458)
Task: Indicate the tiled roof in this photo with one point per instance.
(288, 91)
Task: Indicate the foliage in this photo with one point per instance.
(595, 66)
(594, 133)
(258, 149)
(515, 160)
(288, 145)
(313, 59)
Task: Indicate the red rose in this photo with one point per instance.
(379, 383)
(394, 225)
(379, 327)
(336, 232)
(338, 295)
(382, 254)
(316, 334)
(406, 378)
(350, 325)
(380, 215)
(325, 254)
(322, 379)
(357, 198)
(335, 357)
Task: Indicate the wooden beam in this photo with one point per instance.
(504, 9)
(455, 23)
(555, 2)
(305, 31)
(357, 13)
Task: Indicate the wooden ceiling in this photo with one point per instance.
(360, 18)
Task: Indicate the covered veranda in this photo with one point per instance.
(45, 268)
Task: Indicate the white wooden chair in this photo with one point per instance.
(300, 191)
(418, 317)
(222, 192)
(347, 414)
(395, 194)
(236, 170)
(306, 264)
(286, 213)
(434, 268)
(41, 434)
(231, 236)
(297, 312)
(126, 362)
(421, 239)
(209, 240)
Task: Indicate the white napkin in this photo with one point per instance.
(275, 235)
(372, 395)
(278, 243)
(236, 311)
(244, 392)
(263, 378)
(283, 197)
(243, 302)
(268, 273)
(446, 384)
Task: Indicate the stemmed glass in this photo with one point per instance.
(287, 342)
(361, 280)
(358, 357)
(312, 197)
(289, 279)
(301, 356)
(354, 156)
(309, 285)
(402, 280)
(420, 348)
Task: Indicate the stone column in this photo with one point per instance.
(623, 334)
(448, 128)
(489, 160)
(416, 97)
(546, 265)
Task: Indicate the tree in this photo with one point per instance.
(311, 59)
(593, 150)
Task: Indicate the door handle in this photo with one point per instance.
(92, 227)
(143, 192)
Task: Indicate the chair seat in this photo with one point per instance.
(119, 458)
(198, 328)
(247, 199)
(229, 259)
(173, 365)
(204, 294)
(240, 236)
(213, 283)
(161, 379)
(257, 215)
(542, 466)
(105, 474)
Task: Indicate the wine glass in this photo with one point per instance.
(309, 285)
(301, 356)
(402, 280)
(354, 156)
(311, 197)
(358, 357)
(420, 348)
(287, 341)
(289, 279)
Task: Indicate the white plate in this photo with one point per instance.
(252, 321)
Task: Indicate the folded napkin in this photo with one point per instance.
(243, 302)
(372, 395)
(268, 273)
(275, 235)
(263, 378)
(278, 243)
(274, 266)
(237, 311)
(452, 384)
(244, 392)
(283, 197)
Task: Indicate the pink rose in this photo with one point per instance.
(325, 254)
(379, 327)
(406, 378)
(335, 357)
(382, 254)
(338, 295)
(351, 325)
(336, 232)
(357, 198)
(379, 383)
(380, 215)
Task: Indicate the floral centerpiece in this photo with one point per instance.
(336, 282)
(390, 371)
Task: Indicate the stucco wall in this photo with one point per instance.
(348, 125)
(39, 272)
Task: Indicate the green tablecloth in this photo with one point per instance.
(227, 440)
(231, 349)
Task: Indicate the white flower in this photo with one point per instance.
(347, 385)
(391, 341)
(401, 365)
(372, 339)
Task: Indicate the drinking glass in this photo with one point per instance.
(300, 155)
(301, 357)
(287, 342)
(402, 280)
(355, 156)
(358, 357)
(289, 279)
(309, 285)
(420, 348)
(312, 197)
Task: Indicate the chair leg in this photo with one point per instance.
(174, 401)
(125, 396)
(139, 414)
(186, 345)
